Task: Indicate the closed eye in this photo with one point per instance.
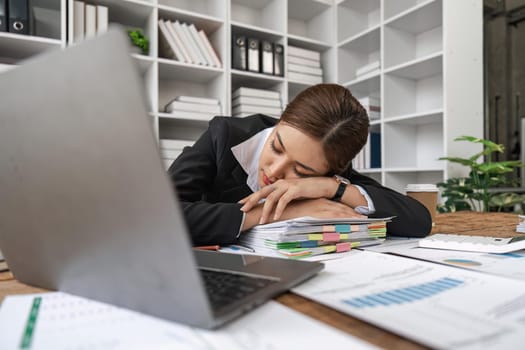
(298, 173)
(274, 149)
(295, 170)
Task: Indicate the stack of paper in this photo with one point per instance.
(304, 66)
(306, 236)
(196, 108)
(171, 149)
(248, 101)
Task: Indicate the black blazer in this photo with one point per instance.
(209, 181)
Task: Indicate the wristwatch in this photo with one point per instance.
(343, 182)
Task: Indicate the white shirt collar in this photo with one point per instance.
(248, 153)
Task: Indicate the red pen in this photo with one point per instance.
(208, 247)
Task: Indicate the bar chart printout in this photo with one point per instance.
(436, 305)
(406, 294)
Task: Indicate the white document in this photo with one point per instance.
(439, 306)
(508, 265)
(394, 245)
(308, 221)
(63, 321)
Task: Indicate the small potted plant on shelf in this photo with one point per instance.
(477, 192)
(139, 40)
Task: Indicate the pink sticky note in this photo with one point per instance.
(330, 236)
(343, 247)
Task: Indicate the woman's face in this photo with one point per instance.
(290, 153)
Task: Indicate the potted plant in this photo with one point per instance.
(477, 191)
(139, 40)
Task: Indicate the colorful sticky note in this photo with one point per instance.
(343, 247)
(331, 237)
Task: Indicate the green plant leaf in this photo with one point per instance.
(462, 161)
(474, 192)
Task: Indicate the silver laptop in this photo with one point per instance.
(86, 206)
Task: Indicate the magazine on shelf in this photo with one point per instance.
(240, 109)
(305, 78)
(256, 101)
(195, 99)
(175, 105)
(292, 67)
(304, 61)
(191, 115)
(260, 93)
(304, 53)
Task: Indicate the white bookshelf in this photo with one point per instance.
(429, 81)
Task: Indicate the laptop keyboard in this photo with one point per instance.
(224, 288)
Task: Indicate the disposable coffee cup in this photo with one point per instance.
(427, 194)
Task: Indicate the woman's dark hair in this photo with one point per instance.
(329, 112)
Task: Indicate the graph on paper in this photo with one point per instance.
(405, 295)
(437, 305)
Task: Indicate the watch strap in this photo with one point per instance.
(340, 189)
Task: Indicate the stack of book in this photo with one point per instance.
(372, 107)
(89, 20)
(185, 43)
(248, 101)
(306, 237)
(194, 108)
(304, 65)
(171, 149)
(368, 69)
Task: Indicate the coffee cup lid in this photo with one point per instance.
(421, 188)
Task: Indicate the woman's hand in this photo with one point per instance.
(279, 195)
(320, 208)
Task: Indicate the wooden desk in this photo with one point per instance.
(496, 224)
